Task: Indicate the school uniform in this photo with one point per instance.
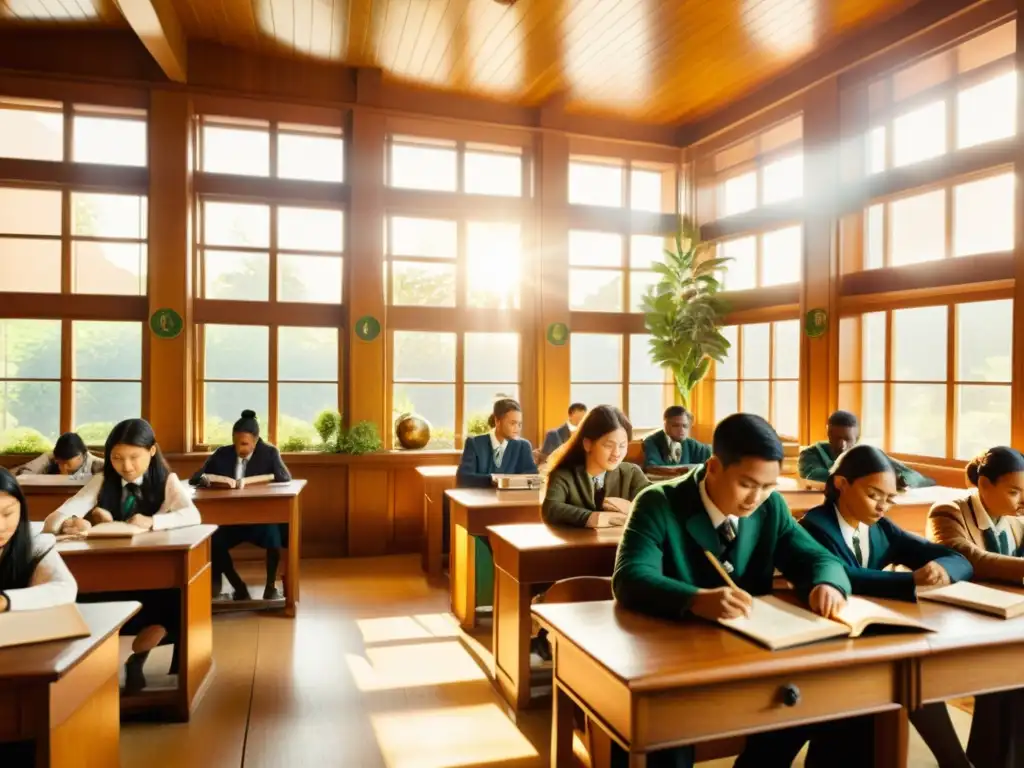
(485, 455)
(815, 462)
(573, 495)
(662, 451)
(51, 583)
(555, 438)
(44, 464)
(661, 565)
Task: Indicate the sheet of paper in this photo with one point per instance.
(27, 627)
(776, 622)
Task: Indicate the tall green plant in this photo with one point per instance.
(684, 313)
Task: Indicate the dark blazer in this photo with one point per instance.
(569, 499)
(265, 460)
(816, 461)
(658, 454)
(554, 438)
(888, 545)
(478, 465)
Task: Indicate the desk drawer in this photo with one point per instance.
(749, 706)
(970, 672)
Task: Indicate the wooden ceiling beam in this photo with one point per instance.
(157, 26)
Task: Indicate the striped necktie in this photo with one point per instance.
(499, 453)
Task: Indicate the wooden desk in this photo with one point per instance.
(45, 493)
(472, 510)
(652, 684)
(529, 554)
(273, 503)
(436, 479)
(177, 559)
(64, 696)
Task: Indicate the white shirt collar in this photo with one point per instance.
(137, 482)
(863, 533)
(495, 442)
(985, 520)
(598, 480)
(572, 427)
(716, 515)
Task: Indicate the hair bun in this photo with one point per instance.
(248, 414)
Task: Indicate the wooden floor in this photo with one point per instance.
(372, 673)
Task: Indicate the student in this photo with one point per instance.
(70, 457)
(671, 450)
(588, 483)
(32, 573)
(500, 452)
(727, 507)
(139, 488)
(843, 432)
(557, 437)
(983, 527)
(247, 456)
(851, 524)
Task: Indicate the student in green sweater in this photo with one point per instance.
(671, 451)
(727, 507)
(589, 486)
(843, 433)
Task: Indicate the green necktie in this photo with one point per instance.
(857, 551)
(131, 499)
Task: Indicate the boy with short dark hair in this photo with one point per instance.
(671, 450)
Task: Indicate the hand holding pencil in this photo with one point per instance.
(728, 602)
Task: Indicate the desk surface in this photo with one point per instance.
(51, 661)
(531, 537)
(264, 491)
(482, 498)
(32, 483)
(437, 470)
(178, 538)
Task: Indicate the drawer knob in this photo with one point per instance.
(790, 695)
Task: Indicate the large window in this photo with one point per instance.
(616, 369)
(603, 277)
(614, 183)
(243, 148)
(930, 381)
(761, 170)
(433, 165)
(758, 261)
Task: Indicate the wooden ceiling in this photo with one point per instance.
(655, 61)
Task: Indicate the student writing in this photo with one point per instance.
(70, 457)
(560, 435)
(137, 487)
(247, 456)
(671, 450)
(500, 452)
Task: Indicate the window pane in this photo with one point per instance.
(919, 344)
(423, 237)
(491, 357)
(29, 266)
(108, 215)
(108, 268)
(983, 216)
(919, 135)
(236, 224)
(918, 419)
(754, 398)
(416, 284)
(872, 414)
(107, 350)
(783, 179)
(99, 405)
(726, 399)
(874, 241)
(494, 173)
(310, 158)
(435, 403)
(424, 356)
(596, 394)
(987, 111)
(729, 369)
(28, 409)
(595, 357)
(493, 251)
(873, 346)
(876, 149)
(646, 405)
(640, 283)
(739, 194)
(29, 211)
(984, 340)
(29, 349)
(982, 419)
(786, 404)
(235, 150)
(646, 250)
(236, 352)
(595, 290)
(111, 141)
(225, 401)
(298, 405)
(755, 350)
(645, 191)
(307, 354)
(641, 368)
(32, 134)
(594, 249)
(594, 184)
(478, 399)
(781, 254)
(236, 275)
(423, 167)
(310, 229)
(787, 349)
(917, 228)
(310, 279)
(741, 272)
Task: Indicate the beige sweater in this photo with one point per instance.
(958, 525)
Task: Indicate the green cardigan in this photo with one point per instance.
(657, 453)
(816, 461)
(661, 564)
(569, 499)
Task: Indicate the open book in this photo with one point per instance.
(219, 481)
(26, 627)
(977, 597)
(778, 624)
(111, 530)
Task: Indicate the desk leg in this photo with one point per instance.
(195, 654)
(291, 577)
(463, 577)
(562, 722)
(891, 738)
(433, 533)
(511, 639)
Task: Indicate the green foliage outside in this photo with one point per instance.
(476, 424)
(25, 440)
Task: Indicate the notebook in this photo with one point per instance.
(112, 530)
(26, 627)
(977, 597)
(777, 624)
(220, 481)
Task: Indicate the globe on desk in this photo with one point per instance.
(412, 431)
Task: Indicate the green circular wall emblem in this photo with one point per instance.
(166, 323)
(367, 328)
(558, 334)
(816, 323)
